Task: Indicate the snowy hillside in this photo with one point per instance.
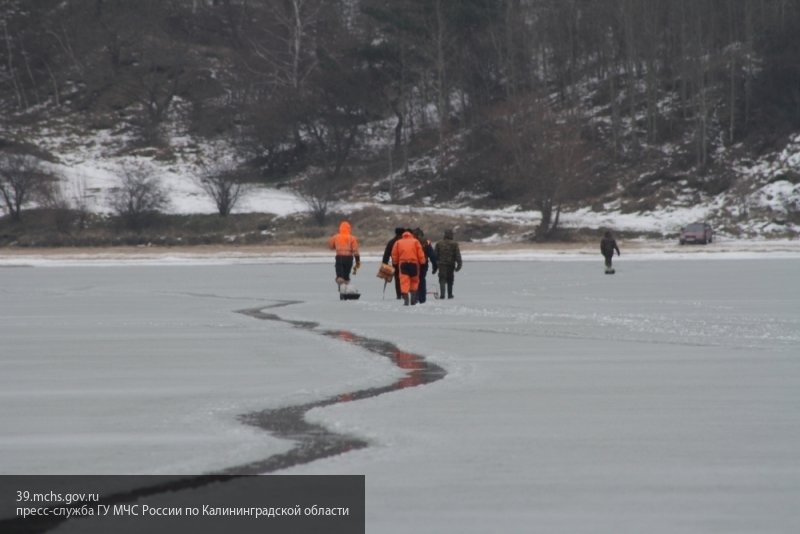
(764, 206)
(511, 121)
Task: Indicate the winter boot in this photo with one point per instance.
(413, 297)
(441, 289)
(405, 299)
(449, 290)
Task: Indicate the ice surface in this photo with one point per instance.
(662, 399)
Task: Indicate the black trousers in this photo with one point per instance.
(422, 288)
(344, 266)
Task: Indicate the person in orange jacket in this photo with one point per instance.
(346, 246)
(408, 255)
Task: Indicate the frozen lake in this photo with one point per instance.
(665, 398)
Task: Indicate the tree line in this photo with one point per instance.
(294, 82)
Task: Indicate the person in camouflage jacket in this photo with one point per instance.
(448, 255)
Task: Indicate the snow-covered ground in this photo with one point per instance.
(760, 205)
(661, 399)
(94, 179)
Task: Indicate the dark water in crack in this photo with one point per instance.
(311, 441)
(315, 441)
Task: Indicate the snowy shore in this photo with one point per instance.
(216, 255)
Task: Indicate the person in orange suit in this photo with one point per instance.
(408, 255)
(346, 246)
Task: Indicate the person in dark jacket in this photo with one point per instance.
(607, 247)
(387, 258)
(448, 257)
(430, 255)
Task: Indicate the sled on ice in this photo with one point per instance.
(347, 291)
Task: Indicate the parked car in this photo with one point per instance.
(696, 233)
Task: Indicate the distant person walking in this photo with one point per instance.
(448, 256)
(408, 256)
(346, 246)
(607, 247)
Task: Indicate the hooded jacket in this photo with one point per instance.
(344, 243)
(408, 249)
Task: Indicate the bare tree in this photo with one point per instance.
(287, 47)
(336, 110)
(68, 203)
(437, 47)
(319, 194)
(548, 156)
(23, 179)
(71, 202)
(159, 77)
(222, 182)
(138, 196)
(80, 201)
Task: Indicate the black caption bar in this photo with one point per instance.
(229, 504)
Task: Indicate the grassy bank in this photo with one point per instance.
(43, 228)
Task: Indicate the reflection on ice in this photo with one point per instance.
(312, 442)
